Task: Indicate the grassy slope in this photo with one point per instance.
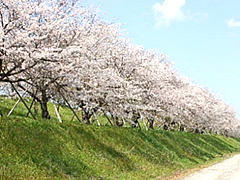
(45, 149)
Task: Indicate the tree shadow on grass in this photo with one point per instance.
(102, 150)
(38, 145)
(168, 150)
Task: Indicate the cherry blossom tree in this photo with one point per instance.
(59, 50)
(34, 35)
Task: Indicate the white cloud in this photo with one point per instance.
(168, 11)
(233, 23)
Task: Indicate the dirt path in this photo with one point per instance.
(226, 170)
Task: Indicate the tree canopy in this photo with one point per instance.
(60, 50)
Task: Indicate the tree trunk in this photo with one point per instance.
(86, 116)
(151, 123)
(44, 107)
(181, 128)
(136, 116)
(119, 122)
(35, 106)
(0, 65)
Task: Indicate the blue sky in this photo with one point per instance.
(201, 38)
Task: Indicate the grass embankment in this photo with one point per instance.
(45, 149)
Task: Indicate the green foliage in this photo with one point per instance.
(46, 149)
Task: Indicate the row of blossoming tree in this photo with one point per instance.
(61, 51)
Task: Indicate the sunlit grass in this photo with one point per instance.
(46, 149)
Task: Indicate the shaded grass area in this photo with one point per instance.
(45, 149)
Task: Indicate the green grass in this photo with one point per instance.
(46, 149)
